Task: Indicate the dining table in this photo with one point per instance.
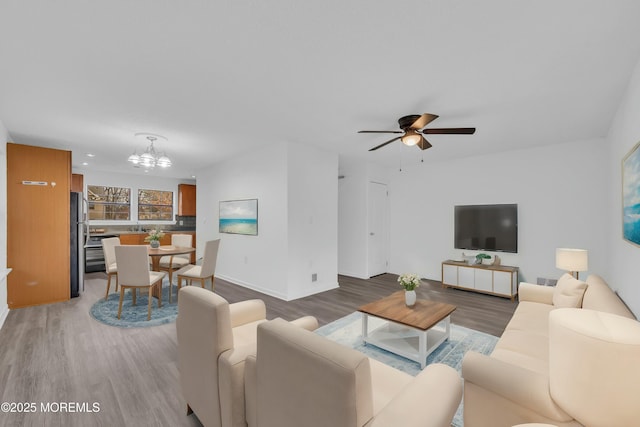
(165, 250)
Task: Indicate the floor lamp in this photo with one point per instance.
(572, 260)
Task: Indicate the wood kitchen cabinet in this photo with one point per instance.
(138, 239)
(77, 182)
(38, 225)
(186, 200)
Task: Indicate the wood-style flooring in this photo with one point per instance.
(58, 354)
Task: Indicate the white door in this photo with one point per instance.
(378, 228)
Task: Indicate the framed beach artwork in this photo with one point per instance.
(239, 217)
(631, 196)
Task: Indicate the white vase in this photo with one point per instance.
(410, 298)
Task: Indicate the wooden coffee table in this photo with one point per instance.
(408, 332)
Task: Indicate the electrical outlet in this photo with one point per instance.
(314, 277)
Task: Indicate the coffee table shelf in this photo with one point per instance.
(411, 343)
(413, 333)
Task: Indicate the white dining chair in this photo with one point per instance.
(171, 263)
(134, 274)
(110, 264)
(201, 272)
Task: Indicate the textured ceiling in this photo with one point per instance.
(219, 78)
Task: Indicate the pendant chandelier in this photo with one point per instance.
(150, 158)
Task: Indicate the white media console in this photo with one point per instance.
(501, 280)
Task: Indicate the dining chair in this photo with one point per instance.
(134, 274)
(171, 263)
(111, 266)
(201, 272)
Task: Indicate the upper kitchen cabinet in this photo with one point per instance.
(186, 200)
(38, 218)
(77, 182)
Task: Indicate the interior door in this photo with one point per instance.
(378, 229)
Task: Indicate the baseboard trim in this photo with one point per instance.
(316, 289)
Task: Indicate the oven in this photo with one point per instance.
(93, 254)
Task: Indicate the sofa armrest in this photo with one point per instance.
(244, 312)
(535, 293)
(525, 388)
(231, 372)
(430, 400)
(309, 323)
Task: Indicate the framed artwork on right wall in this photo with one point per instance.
(631, 196)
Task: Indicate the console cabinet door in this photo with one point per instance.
(484, 280)
(502, 282)
(466, 277)
(450, 275)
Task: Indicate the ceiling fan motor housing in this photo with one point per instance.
(406, 121)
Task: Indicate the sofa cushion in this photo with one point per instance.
(531, 317)
(600, 297)
(569, 292)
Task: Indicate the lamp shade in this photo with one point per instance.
(572, 259)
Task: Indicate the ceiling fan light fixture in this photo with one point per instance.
(411, 138)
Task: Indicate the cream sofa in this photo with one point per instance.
(549, 360)
(300, 379)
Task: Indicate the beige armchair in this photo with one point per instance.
(111, 267)
(298, 378)
(214, 338)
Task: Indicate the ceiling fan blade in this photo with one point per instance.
(380, 131)
(424, 144)
(449, 131)
(385, 143)
(423, 120)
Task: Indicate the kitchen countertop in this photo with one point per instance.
(119, 233)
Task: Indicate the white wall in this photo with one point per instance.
(258, 262)
(296, 188)
(624, 271)
(352, 218)
(4, 308)
(134, 182)
(312, 200)
(561, 192)
(353, 214)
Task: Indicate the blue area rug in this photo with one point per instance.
(348, 331)
(135, 316)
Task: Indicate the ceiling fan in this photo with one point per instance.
(412, 129)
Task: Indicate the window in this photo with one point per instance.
(109, 203)
(155, 205)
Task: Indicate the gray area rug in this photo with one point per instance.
(135, 316)
(348, 331)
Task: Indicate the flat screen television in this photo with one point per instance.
(487, 227)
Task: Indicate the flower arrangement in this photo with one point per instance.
(154, 235)
(409, 281)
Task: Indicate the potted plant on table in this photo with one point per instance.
(409, 282)
(154, 238)
(481, 257)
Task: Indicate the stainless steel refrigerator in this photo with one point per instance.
(78, 226)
